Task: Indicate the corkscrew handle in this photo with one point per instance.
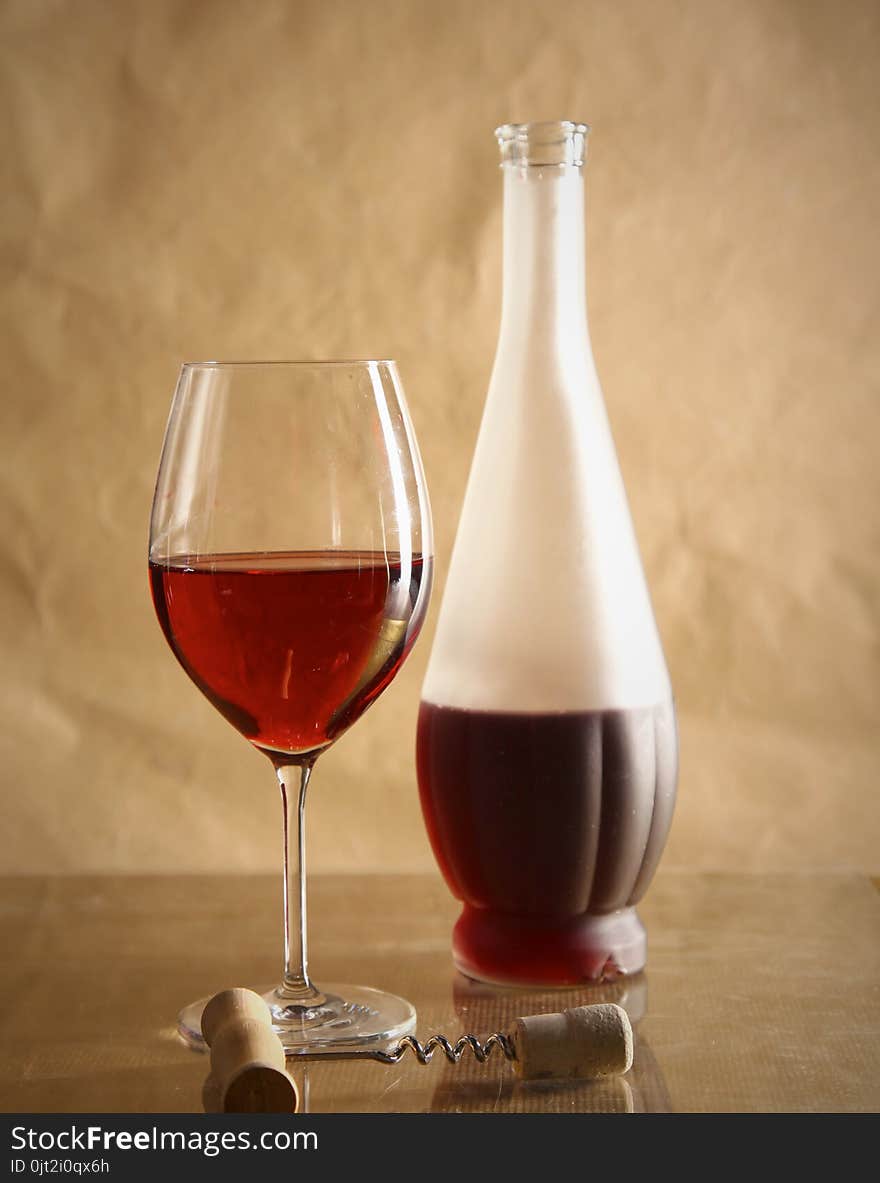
(248, 1072)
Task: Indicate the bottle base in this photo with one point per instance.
(506, 950)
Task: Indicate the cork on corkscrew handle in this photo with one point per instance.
(582, 1043)
(247, 1057)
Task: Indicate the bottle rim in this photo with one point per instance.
(542, 143)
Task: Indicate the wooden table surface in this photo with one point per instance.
(762, 993)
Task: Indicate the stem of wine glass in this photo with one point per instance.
(296, 987)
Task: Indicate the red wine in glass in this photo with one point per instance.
(291, 647)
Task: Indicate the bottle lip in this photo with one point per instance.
(550, 142)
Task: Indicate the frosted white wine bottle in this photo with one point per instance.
(547, 748)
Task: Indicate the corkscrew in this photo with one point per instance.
(248, 1073)
(424, 1052)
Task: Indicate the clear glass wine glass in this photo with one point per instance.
(290, 564)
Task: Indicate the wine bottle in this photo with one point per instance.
(547, 746)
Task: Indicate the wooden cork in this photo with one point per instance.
(585, 1042)
(247, 1058)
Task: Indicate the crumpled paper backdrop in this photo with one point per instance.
(188, 179)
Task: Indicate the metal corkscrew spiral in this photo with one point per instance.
(424, 1052)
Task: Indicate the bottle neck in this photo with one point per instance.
(544, 294)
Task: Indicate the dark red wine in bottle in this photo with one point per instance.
(290, 647)
(548, 827)
(546, 744)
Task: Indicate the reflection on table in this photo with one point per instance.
(753, 999)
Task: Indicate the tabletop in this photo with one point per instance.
(762, 993)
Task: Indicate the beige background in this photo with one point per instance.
(188, 179)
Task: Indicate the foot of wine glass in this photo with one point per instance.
(308, 1019)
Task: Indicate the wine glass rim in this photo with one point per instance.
(304, 362)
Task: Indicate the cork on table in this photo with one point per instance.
(762, 993)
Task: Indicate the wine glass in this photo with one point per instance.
(290, 564)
